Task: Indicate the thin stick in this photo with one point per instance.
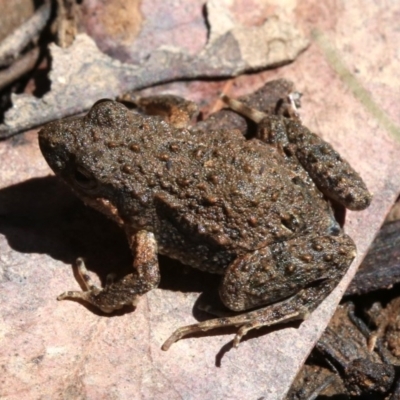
(19, 68)
(12, 46)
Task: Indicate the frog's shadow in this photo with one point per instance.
(42, 215)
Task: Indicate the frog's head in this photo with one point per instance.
(86, 152)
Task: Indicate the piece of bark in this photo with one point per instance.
(83, 68)
(381, 267)
(19, 68)
(342, 354)
(394, 214)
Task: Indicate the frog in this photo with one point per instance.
(257, 209)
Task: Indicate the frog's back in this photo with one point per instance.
(221, 189)
(215, 188)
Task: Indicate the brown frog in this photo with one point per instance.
(255, 211)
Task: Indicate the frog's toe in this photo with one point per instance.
(74, 294)
(84, 275)
(241, 332)
(90, 288)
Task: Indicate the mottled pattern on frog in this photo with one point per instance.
(251, 210)
(216, 187)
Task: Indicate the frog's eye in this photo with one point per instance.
(102, 101)
(84, 179)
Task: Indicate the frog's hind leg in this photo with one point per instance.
(295, 308)
(288, 279)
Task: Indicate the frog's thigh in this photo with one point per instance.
(316, 266)
(279, 271)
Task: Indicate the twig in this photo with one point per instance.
(66, 22)
(13, 45)
(19, 68)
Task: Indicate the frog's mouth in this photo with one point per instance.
(50, 148)
(56, 139)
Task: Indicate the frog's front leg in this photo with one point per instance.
(290, 278)
(126, 291)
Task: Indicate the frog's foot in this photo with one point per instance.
(126, 291)
(293, 105)
(292, 277)
(236, 105)
(276, 97)
(108, 299)
(90, 287)
(297, 307)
